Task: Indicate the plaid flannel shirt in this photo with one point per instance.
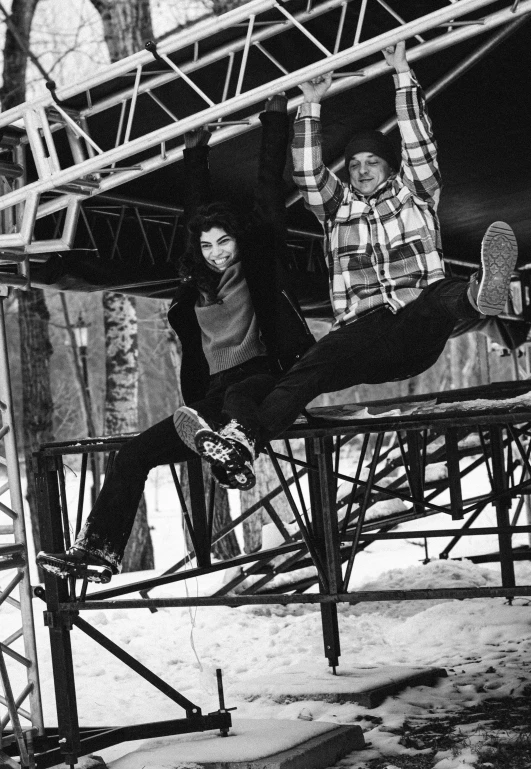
(385, 249)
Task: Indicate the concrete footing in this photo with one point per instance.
(251, 744)
(367, 686)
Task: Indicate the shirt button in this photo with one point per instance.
(382, 273)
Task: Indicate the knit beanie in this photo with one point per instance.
(371, 141)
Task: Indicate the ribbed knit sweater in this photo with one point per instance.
(229, 328)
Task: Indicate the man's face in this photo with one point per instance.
(367, 172)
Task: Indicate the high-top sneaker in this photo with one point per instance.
(499, 251)
(187, 422)
(77, 563)
(233, 449)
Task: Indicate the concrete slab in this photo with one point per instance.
(251, 744)
(367, 686)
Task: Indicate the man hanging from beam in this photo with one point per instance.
(394, 308)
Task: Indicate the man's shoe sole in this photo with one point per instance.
(499, 251)
(187, 423)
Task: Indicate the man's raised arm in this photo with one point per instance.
(419, 169)
(321, 189)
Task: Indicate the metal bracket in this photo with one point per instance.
(57, 620)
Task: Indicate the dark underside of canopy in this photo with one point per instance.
(482, 123)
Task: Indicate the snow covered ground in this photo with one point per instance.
(484, 644)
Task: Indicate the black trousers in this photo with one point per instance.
(232, 394)
(379, 347)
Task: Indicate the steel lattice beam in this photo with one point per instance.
(94, 169)
(13, 556)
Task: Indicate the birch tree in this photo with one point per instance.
(126, 28)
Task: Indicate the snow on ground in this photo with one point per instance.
(484, 644)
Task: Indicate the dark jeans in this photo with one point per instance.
(379, 347)
(232, 394)
(236, 394)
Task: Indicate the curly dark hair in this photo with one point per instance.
(193, 264)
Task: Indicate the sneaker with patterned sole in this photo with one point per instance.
(226, 453)
(76, 563)
(187, 422)
(228, 480)
(499, 251)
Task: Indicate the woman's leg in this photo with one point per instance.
(109, 524)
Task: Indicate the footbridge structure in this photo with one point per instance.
(92, 198)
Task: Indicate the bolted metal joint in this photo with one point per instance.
(59, 620)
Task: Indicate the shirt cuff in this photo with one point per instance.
(405, 79)
(309, 109)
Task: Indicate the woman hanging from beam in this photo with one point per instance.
(240, 329)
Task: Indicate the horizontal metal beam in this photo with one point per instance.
(366, 596)
(434, 90)
(342, 58)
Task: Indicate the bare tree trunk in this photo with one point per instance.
(35, 345)
(126, 28)
(126, 25)
(13, 90)
(37, 404)
(121, 404)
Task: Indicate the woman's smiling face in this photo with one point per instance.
(219, 248)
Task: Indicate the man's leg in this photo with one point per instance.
(243, 399)
(487, 291)
(233, 395)
(233, 446)
(380, 347)
(360, 352)
(108, 526)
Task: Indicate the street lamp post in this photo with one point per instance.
(81, 337)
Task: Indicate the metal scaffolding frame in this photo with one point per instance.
(93, 169)
(25, 722)
(394, 452)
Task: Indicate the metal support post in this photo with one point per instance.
(322, 486)
(415, 469)
(502, 505)
(454, 475)
(199, 512)
(56, 592)
(13, 509)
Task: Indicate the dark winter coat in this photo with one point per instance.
(283, 329)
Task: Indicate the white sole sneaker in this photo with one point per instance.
(187, 423)
(499, 252)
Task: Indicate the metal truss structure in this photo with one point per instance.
(330, 492)
(66, 161)
(20, 705)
